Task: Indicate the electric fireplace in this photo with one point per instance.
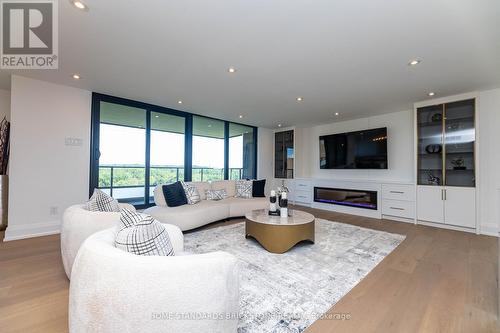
(346, 197)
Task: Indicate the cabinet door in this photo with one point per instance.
(430, 204)
(460, 136)
(430, 145)
(460, 206)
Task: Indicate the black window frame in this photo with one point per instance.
(97, 98)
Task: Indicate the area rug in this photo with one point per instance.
(288, 292)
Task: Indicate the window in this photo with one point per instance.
(241, 152)
(137, 146)
(208, 149)
(167, 150)
(122, 146)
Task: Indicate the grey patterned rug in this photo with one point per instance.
(287, 292)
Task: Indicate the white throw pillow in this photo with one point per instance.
(141, 234)
(244, 189)
(192, 194)
(101, 202)
(216, 194)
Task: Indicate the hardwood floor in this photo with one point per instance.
(435, 281)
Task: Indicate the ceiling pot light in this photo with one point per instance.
(336, 113)
(76, 76)
(279, 125)
(80, 5)
(179, 102)
(240, 116)
(231, 70)
(414, 62)
(431, 94)
(299, 99)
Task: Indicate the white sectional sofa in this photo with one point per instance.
(189, 217)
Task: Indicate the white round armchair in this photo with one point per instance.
(78, 224)
(115, 291)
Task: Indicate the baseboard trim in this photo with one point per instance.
(31, 230)
(490, 229)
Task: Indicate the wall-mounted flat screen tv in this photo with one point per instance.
(354, 150)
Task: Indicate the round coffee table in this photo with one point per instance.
(276, 234)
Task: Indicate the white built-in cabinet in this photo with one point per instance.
(446, 158)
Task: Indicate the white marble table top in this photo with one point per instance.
(295, 217)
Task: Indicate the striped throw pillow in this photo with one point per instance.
(142, 235)
(101, 202)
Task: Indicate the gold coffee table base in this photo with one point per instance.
(279, 238)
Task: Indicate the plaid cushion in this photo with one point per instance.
(101, 202)
(192, 194)
(243, 189)
(216, 194)
(141, 234)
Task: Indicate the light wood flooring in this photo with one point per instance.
(436, 281)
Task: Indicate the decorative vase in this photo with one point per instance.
(272, 202)
(4, 202)
(284, 205)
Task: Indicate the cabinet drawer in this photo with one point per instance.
(302, 185)
(303, 196)
(398, 208)
(398, 192)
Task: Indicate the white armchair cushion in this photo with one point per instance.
(78, 224)
(149, 287)
(141, 234)
(101, 202)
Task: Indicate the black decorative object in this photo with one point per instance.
(436, 117)
(433, 149)
(4, 145)
(433, 180)
(459, 163)
(275, 213)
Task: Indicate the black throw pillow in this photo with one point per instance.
(258, 188)
(174, 194)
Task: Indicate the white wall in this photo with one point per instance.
(489, 160)
(4, 104)
(45, 174)
(400, 148)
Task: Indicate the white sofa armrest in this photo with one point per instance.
(77, 224)
(115, 291)
(176, 237)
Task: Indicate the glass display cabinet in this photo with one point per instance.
(446, 141)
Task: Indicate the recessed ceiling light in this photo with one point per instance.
(80, 5)
(414, 62)
(157, 116)
(240, 116)
(299, 99)
(179, 102)
(431, 93)
(336, 113)
(279, 125)
(76, 76)
(209, 125)
(231, 70)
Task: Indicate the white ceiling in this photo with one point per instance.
(340, 56)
